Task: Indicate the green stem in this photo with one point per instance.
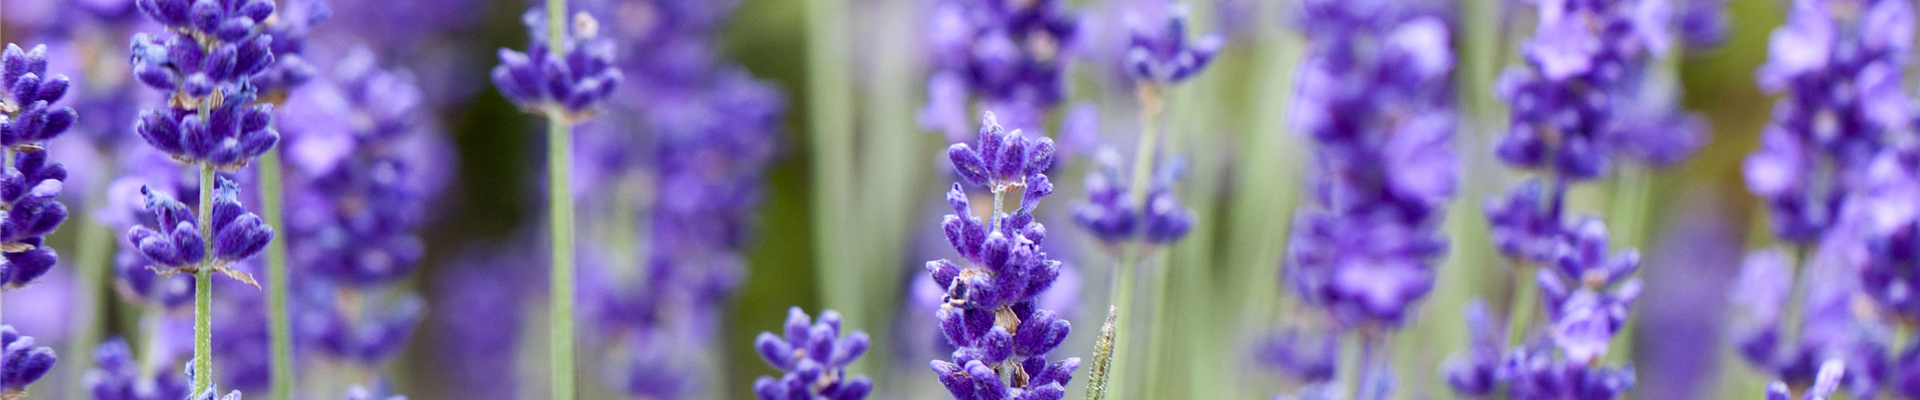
(560, 207)
(1520, 311)
(1352, 364)
(831, 128)
(96, 243)
(1123, 300)
(279, 282)
(1161, 328)
(203, 290)
(560, 217)
(1129, 265)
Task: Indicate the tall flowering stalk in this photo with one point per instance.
(1586, 100)
(564, 75)
(1837, 172)
(206, 62)
(363, 189)
(1129, 217)
(28, 119)
(1375, 98)
(988, 314)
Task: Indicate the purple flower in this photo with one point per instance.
(21, 363)
(1011, 55)
(1383, 164)
(1109, 211)
(361, 185)
(571, 81)
(1824, 384)
(27, 93)
(1162, 54)
(814, 357)
(989, 312)
(1472, 373)
(1309, 357)
(117, 376)
(1588, 91)
(206, 62)
(174, 243)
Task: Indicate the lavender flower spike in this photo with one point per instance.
(21, 363)
(814, 357)
(571, 81)
(990, 313)
(206, 61)
(27, 114)
(1164, 55)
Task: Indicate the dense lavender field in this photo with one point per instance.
(923, 199)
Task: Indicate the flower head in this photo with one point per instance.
(175, 244)
(571, 81)
(814, 357)
(1164, 54)
(27, 94)
(117, 376)
(21, 363)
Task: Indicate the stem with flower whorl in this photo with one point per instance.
(278, 281)
(560, 217)
(1122, 294)
(203, 290)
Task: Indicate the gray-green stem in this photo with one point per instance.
(278, 279)
(203, 290)
(560, 217)
(1520, 311)
(96, 243)
(1130, 259)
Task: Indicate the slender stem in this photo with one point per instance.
(1157, 336)
(96, 243)
(560, 207)
(560, 218)
(1520, 311)
(1352, 356)
(1130, 261)
(203, 290)
(279, 282)
(1123, 300)
(831, 138)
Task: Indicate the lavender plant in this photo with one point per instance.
(814, 357)
(988, 312)
(1837, 176)
(206, 62)
(1585, 100)
(1381, 122)
(28, 187)
(1127, 218)
(364, 188)
(564, 75)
